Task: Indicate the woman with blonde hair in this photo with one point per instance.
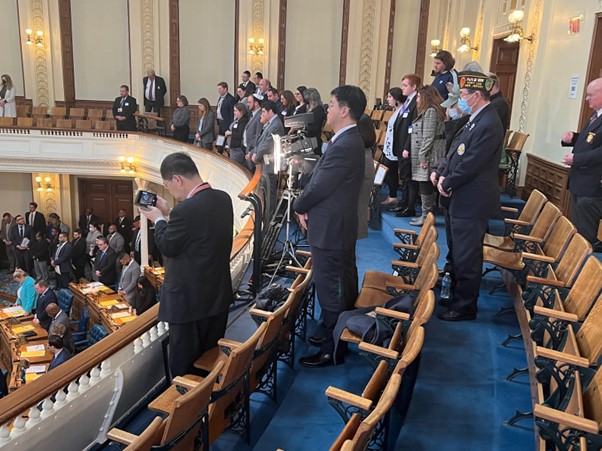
(26, 293)
(428, 145)
(8, 107)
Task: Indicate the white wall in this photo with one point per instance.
(11, 44)
(101, 51)
(206, 48)
(15, 189)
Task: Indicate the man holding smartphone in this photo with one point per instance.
(197, 240)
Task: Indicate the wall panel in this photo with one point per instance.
(313, 44)
(16, 192)
(101, 51)
(206, 47)
(11, 44)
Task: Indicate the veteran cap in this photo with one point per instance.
(452, 97)
(475, 80)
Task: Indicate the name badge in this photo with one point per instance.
(119, 110)
(410, 130)
(405, 115)
(235, 126)
(461, 149)
(590, 137)
(126, 104)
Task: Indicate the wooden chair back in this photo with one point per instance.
(517, 142)
(429, 245)
(42, 122)
(589, 335)
(368, 112)
(24, 122)
(412, 346)
(585, 290)
(39, 111)
(559, 238)
(377, 115)
(95, 114)
(427, 278)
(64, 123)
(592, 400)
(7, 121)
(570, 263)
(58, 111)
(377, 382)
(23, 110)
(381, 134)
(386, 116)
(83, 124)
(425, 306)
(148, 438)
(102, 125)
(544, 224)
(533, 206)
(109, 114)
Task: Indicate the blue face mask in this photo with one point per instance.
(464, 106)
(454, 114)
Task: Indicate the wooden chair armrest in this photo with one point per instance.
(121, 436)
(562, 357)
(406, 264)
(349, 398)
(551, 313)
(225, 342)
(304, 253)
(516, 222)
(261, 313)
(404, 231)
(510, 209)
(538, 257)
(405, 246)
(544, 281)
(297, 269)
(566, 419)
(400, 285)
(188, 384)
(520, 236)
(392, 313)
(378, 350)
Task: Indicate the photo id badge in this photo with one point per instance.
(119, 110)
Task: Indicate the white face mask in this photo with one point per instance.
(91, 229)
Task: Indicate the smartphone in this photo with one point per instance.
(145, 199)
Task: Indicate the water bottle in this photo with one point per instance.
(446, 286)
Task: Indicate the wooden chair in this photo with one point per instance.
(377, 115)
(39, 111)
(83, 124)
(102, 125)
(186, 418)
(95, 114)
(514, 150)
(7, 121)
(23, 110)
(64, 123)
(77, 113)
(539, 233)
(386, 116)
(410, 241)
(528, 215)
(25, 122)
(408, 270)
(357, 433)
(58, 112)
(42, 122)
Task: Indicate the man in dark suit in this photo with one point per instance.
(585, 177)
(61, 353)
(124, 227)
(8, 223)
(225, 107)
(197, 241)
(253, 128)
(328, 208)
(401, 146)
(104, 263)
(46, 296)
(35, 219)
(264, 149)
(78, 254)
(499, 102)
(247, 84)
(61, 259)
(470, 183)
(20, 232)
(124, 108)
(60, 317)
(86, 218)
(154, 91)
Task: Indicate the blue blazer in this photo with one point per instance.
(61, 357)
(584, 176)
(28, 296)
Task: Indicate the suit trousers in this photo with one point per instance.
(188, 341)
(24, 261)
(336, 280)
(467, 262)
(586, 215)
(12, 257)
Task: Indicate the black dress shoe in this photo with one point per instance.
(315, 341)
(445, 303)
(319, 360)
(455, 316)
(397, 209)
(406, 213)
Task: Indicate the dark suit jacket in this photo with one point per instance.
(64, 259)
(227, 112)
(207, 132)
(61, 357)
(106, 266)
(83, 223)
(503, 109)
(15, 236)
(78, 252)
(39, 223)
(45, 299)
(586, 171)
(124, 228)
(249, 88)
(238, 129)
(160, 91)
(128, 109)
(62, 318)
(314, 130)
(330, 199)
(472, 167)
(197, 242)
(402, 138)
(264, 145)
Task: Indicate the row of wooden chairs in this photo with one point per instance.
(80, 124)
(236, 370)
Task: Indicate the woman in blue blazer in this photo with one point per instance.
(26, 293)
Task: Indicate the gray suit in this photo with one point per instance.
(253, 130)
(265, 143)
(116, 242)
(10, 248)
(128, 280)
(63, 319)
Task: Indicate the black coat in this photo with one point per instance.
(160, 91)
(45, 299)
(227, 112)
(402, 138)
(106, 266)
(39, 223)
(128, 109)
(238, 129)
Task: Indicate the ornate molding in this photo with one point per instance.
(40, 62)
(148, 41)
(366, 52)
(258, 32)
(478, 37)
(522, 120)
(345, 41)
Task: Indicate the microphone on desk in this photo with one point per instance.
(247, 211)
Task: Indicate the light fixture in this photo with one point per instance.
(47, 186)
(435, 47)
(127, 165)
(465, 44)
(516, 29)
(38, 38)
(256, 48)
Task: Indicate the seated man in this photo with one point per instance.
(60, 317)
(61, 354)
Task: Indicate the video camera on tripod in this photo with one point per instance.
(295, 152)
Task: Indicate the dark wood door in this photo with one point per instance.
(106, 197)
(504, 61)
(595, 69)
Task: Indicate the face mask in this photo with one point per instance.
(91, 229)
(454, 114)
(464, 106)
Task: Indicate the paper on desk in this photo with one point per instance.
(120, 315)
(14, 311)
(125, 319)
(35, 348)
(20, 329)
(31, 377)
(108, 303)
(36, 369)
(26, 354)
(121, 305)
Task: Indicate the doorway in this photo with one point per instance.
(504, 62)
(105, 197)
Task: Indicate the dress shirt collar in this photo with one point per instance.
(341, 131)
(475, 113)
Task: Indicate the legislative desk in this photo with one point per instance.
(155, 276)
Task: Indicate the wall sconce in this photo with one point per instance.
(465, 44)
(256, 48)
(38, 38)
(516, 29)
(435, 47)
(47, 186)
(127, 165)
